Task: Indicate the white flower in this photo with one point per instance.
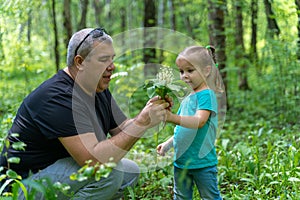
(165, 76)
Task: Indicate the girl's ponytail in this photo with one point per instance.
(211, 50)
(215, 79)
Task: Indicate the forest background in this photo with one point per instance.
(258, 50)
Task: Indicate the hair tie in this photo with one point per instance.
(208, 47)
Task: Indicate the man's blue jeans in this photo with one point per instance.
(205, 180)
(125, 174)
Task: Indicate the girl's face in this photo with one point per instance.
(190, 75)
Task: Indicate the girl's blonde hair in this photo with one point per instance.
(201, 57)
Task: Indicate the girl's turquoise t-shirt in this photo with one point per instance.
(194, 148)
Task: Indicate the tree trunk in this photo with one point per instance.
(97, 8)
(67, 22)
(297, 2)
(2, 55)
(84, 5)
(217, 33)
(171, 7)
(29, 23)
(253, 49)
(29, 20)
(240, 49)
(149, 54)
(108, 3)
(186, 20)
(123, 14)
(56, 52)
(273, 28)
(160, 23)
(296, 87)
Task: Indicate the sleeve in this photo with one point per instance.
(207, 101)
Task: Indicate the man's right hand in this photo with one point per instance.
(153, 113)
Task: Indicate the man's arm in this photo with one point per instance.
(85, 147)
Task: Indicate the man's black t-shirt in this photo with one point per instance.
(57, 108)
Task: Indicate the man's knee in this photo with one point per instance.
(131, 172)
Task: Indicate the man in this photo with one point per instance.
(65, 121)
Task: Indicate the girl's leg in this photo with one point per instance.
(125, 174)
(183, 184)
(207, 182)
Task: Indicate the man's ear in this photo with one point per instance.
(78, 62)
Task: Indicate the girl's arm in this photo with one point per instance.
(196, 121)
(165, 146)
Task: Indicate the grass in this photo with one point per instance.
(255, 162)
(258, 149)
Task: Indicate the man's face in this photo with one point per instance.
(98, 67)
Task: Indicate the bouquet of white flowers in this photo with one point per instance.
(164, 84)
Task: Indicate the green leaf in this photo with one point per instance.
(81, 177)
(15, 135)
(19, 146)
(7, 144)
(73, 176)
(274, 183)
(14, 160)
(7, 182)
(61, 186)
(148, 83)
(2, 177)
(24, 189)
(248, 180)
(294, 179)
(89, 171)
(12, 174)
(151, 91)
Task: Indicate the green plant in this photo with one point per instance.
(96, 171)
(9, 177)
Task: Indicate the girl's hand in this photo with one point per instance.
(164, 147)
(161, 149)
(169, 115)
(170, 101)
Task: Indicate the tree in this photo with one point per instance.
(98, 9)
(273, 28)
(253, 48)
(240, 49)
(186, 19)
(216, 10)
(56, 51)
(67, 22)
(149, 54)
(171, 7)
(160, 23)
(297, 2)
(84, 5)
(2, 56)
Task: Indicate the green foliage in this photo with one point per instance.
(259, 160)
(164, 84)
(258, 147)
(153, 185)
(96, 171)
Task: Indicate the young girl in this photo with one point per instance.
(196, 125)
